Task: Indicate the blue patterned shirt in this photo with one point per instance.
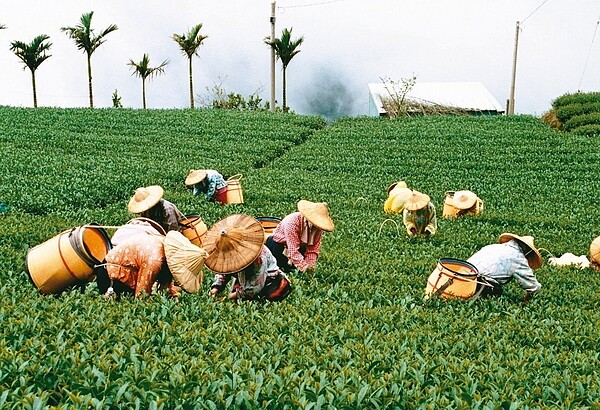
(214, 181)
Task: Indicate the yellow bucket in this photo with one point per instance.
(234, 190)
(194, 228)
(449, 211)
(453, 278)
(269, 223)
(67, 259)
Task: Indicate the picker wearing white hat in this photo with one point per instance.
(513, 257)
(148, 202)
(419, 215)
(296, 241)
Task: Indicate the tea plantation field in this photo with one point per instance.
(356, 334)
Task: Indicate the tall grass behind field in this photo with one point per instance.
(357, 333)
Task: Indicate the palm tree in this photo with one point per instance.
(285, 49)
(32, 55)
(189, 44)
(86, 40)
(143, 70)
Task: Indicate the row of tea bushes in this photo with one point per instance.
(357, 333)
(578, 113)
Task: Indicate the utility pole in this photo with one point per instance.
(272, 57)
(511, 101)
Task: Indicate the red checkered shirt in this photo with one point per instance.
(289, 232)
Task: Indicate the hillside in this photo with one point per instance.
(356, 334)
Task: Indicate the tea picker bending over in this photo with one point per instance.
(296, 241)
(148, 202)
(135, 263)
(208, 182)
(514, 257)
(236, 251)
(419, 215)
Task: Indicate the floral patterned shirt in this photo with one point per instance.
(250, 282)
(502, 262)
(137, 261)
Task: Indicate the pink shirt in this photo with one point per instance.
(289, 232)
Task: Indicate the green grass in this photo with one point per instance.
(356, 334)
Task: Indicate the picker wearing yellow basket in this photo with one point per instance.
(398, 193)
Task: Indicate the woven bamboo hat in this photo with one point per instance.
(534, 258)
(317, 213)
(233, 243)
(185, 261)
(595, 250)
(464, 199)
(195, 176)
(145, 198)
(416, 201)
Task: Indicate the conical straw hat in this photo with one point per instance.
(145, 198)
(233, 243)
(317, 214)
(595, 250)
(534, 258)
(195, 176)
(185, 261)
(416, 201)
(464, 199)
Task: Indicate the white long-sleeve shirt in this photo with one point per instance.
(502, 262)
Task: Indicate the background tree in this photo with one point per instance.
(143, 70)
(85, 39)
(285, 49)
(2, 26)
(32, 55)
(189, 44)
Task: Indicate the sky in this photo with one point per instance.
(347, 44)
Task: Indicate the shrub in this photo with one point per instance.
(564, 113)
(550, 118)
(581, 120)
(591, 130)
(576, 98)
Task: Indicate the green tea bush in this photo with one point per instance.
(590, 130)
(565, 113)
(355, 334)
(581, 120)
(576, 98)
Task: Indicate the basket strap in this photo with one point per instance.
(235, 177)
(442, 288)
(64, 261)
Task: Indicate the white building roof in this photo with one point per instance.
(472, 96)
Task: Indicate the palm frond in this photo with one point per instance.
(190, 42)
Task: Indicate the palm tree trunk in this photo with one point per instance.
(284, 92)
(33, 86)
(144, 93)
(89, 64)
(191, 86)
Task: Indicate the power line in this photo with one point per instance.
(309, 4)
(530, 14)
(589, 52)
